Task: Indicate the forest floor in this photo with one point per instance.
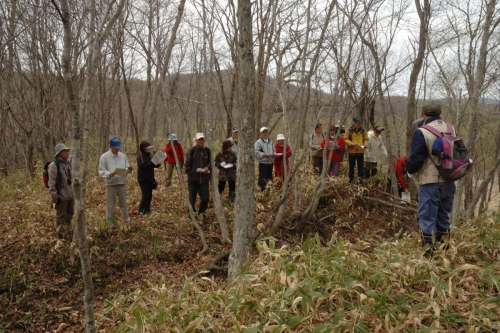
(41, 291)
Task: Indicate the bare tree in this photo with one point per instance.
(77, 180)
(424, 12)
(241, 250)
(163, 69)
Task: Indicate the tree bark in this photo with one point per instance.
(424, 16)
(241, 250)
(77, 181)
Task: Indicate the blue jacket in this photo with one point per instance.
(419, 150)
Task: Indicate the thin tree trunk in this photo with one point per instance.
(241, 250)
(469, 213)
(77, 181)
(208, 95)
(424, 16)
(149, 127)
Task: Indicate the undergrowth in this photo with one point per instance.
(370, 286)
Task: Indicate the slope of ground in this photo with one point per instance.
(41, 291)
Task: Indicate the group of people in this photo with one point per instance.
(362, 148)
(435, 198)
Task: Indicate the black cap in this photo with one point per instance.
(318, 125)
(356, 120)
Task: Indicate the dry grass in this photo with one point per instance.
(356, 266)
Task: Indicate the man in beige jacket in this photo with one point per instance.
(435, 194)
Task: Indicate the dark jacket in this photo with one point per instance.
(145, 168)
(60, 191)
(228, 157)
(198, 158)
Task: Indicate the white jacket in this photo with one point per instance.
(374, 146)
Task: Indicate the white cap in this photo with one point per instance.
(280, 137)
(150, 147)
(199, 136)
(263, 128)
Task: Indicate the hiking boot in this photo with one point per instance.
(232, 196)
(429, 252)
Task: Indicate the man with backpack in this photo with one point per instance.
(435, 193)
(61, 190)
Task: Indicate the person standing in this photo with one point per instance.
(375, 145)
(315, 151)
(170, 161)
(335, 149)
(146, 176)
(399, 167)
(114, 167)
(281, 154)
(234, 139)
(61, 190)
(356, 139)
(226, 162)
(264, 153)
(435, 194)
(198, 167)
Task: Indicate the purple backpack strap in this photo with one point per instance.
(433, 130)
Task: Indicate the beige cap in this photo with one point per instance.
(263, 128)
(280, 137)
(199, 136)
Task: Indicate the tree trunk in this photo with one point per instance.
(241, 250)
(149, 126)
(475, 88)
(424, 16)
(208, 97)
(77, 181)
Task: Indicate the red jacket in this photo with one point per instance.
(278, 159)
(399, 166)
(337, 153)
(170, 153)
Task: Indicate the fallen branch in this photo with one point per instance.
(410, 209)
(221, 256)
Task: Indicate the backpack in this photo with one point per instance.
(452, 153)
(45, 175)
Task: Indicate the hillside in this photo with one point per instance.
(357, 267)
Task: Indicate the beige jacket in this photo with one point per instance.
(315, 144)
(428, 173)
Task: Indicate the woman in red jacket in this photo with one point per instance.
(337, 151)
(279, 169)
(170, 161)
(399, 166)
